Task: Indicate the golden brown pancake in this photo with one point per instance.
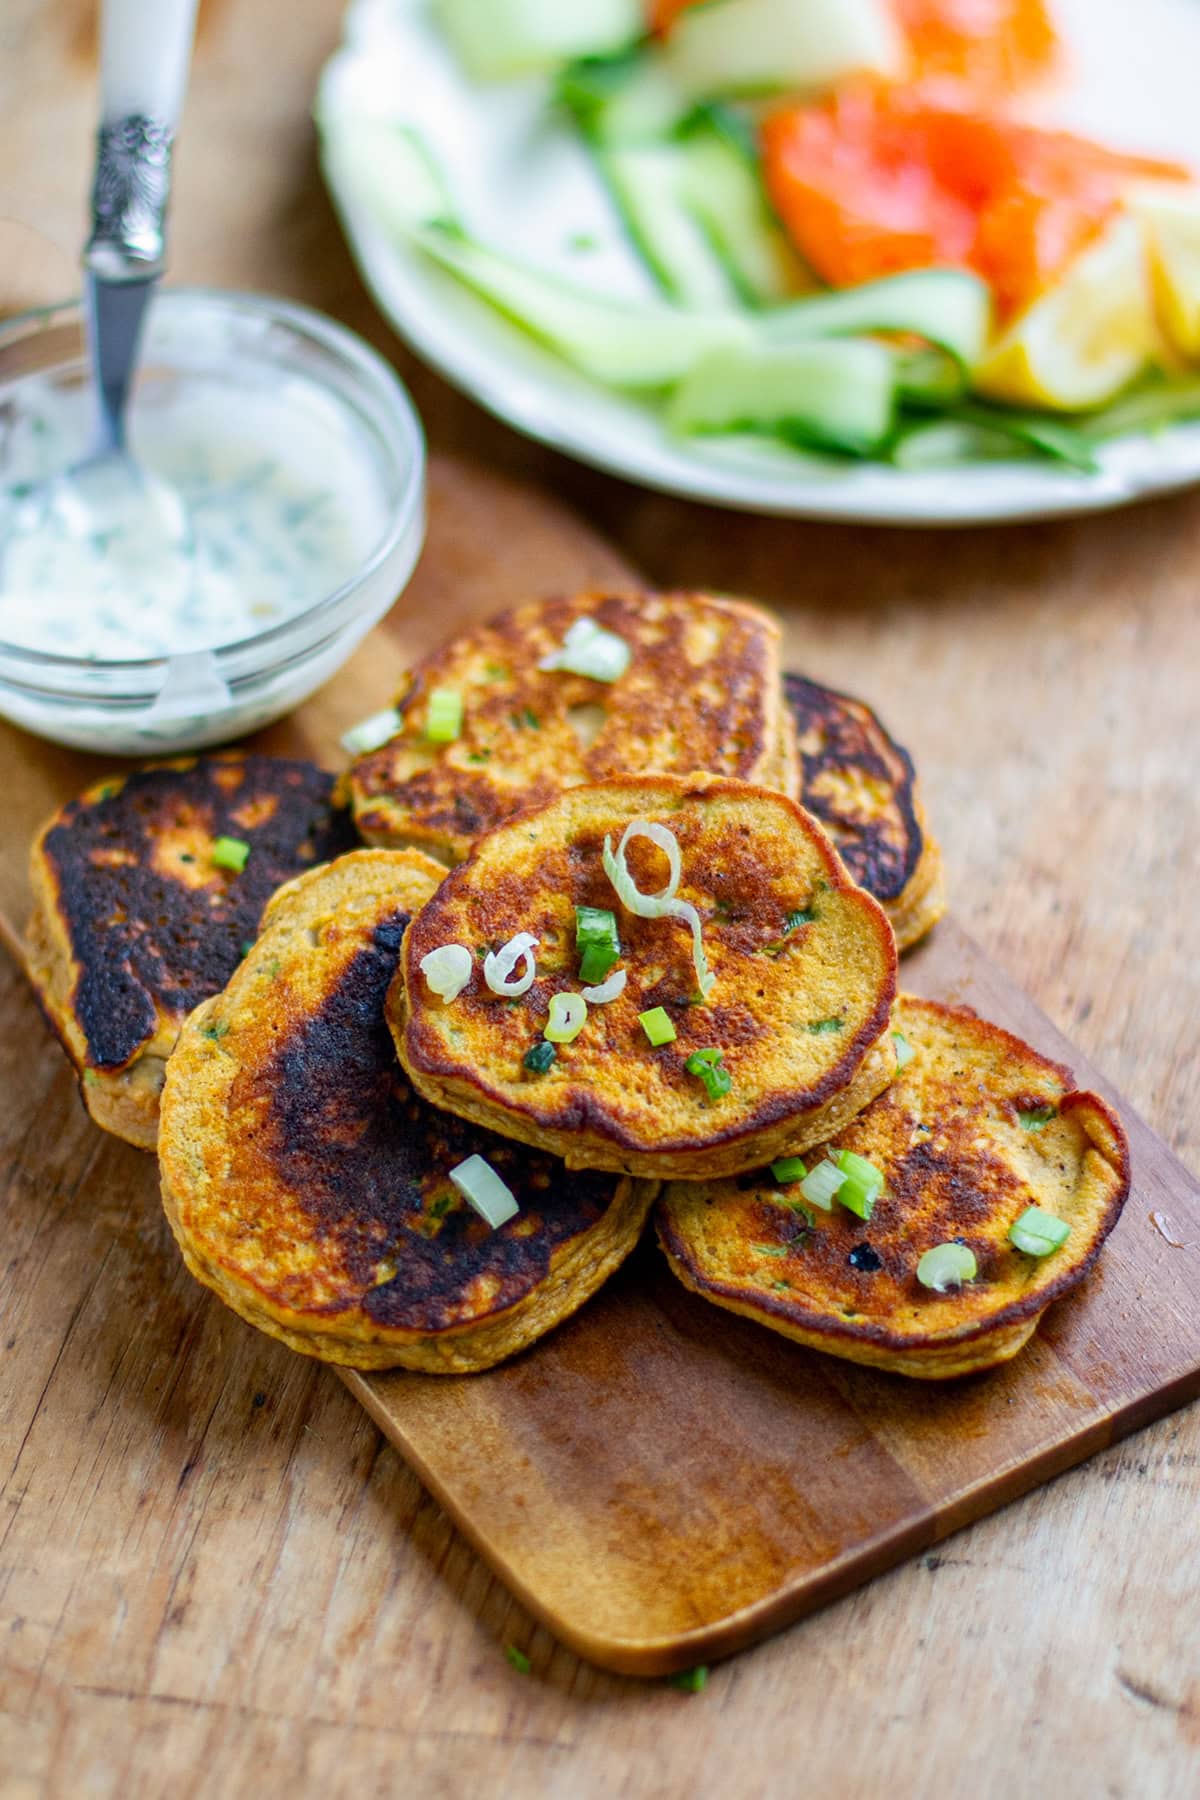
(800, 1010)
(974, 1130)
(133, 922)
(701, 692)
(307, 1184)
(862, 786)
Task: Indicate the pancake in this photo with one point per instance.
(862, 786)
(308, 1186)
(801, 1015)
(701, 692)
(960, 1141)
(133, 922)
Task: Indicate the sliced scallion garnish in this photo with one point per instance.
(447, 970)
(539, 1057)
(568, 1016)
(1035, 1117)
(819, 1027)
(709, 1068)
(611, 989)
(588, 649)
(373, 732)
(820, 1186)
(859, 1169)
(690, 1681)
(483, 1190)
(597, 941)
(231, 853)
(904, 1050)
(444, 715)
(858, 1197)
(788, 1168)
(665, 903)
(656, 1023)
(517, 1659)
(947, 1266)
(1038, 1233)
(499, 965)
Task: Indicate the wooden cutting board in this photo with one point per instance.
(660, 1482)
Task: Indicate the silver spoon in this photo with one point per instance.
(108, 498)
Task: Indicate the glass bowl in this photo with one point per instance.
(246, 343)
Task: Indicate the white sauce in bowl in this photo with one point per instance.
(279, 492)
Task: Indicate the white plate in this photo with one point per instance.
(523, 181)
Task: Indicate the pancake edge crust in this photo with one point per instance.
(349, 1338)
(935, 1356)
(775, 1129)
(921, 902)
(122, 1100)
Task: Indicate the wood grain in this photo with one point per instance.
(206, 1595)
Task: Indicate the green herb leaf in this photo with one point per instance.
(539, 1057)
(216, 1031)
(819, 1027)
(710, 1069)
(690, 1681)
(1036, 1117)
(517, 1659)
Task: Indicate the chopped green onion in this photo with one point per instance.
(904, 1050)
(596, 961)
(657, 1026)
(947, 1266)
(604, 991)
(517, 1659)
(665, 903)
(231, 853)
(595, 925)
(1038, 1233)
(690, 1681)
(858, 1197)
(568, 1016)
(372, 733)
(444, 716)
(789, 1168)
(802, 916)
(819, 1027)
(588, 649)
(498, 966)
(539, 1057)
(859, 1169)
(447, 970)
(1036, 1117)
(483, 1190)
(821, 1185)
(707, 1065)
(771, 1249)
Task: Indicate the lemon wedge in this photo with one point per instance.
(1086, 337)
(1169, 214)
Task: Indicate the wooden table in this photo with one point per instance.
(215, 1578)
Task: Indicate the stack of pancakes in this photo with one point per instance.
(261, 1012)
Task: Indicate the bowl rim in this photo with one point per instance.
(403, 429)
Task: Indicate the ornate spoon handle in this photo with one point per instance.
(145, 47)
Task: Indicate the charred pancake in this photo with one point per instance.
(804, 965)
(974, 1130)
(862, 786)
(133, 922)
(306, 1183)
(701, 692)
